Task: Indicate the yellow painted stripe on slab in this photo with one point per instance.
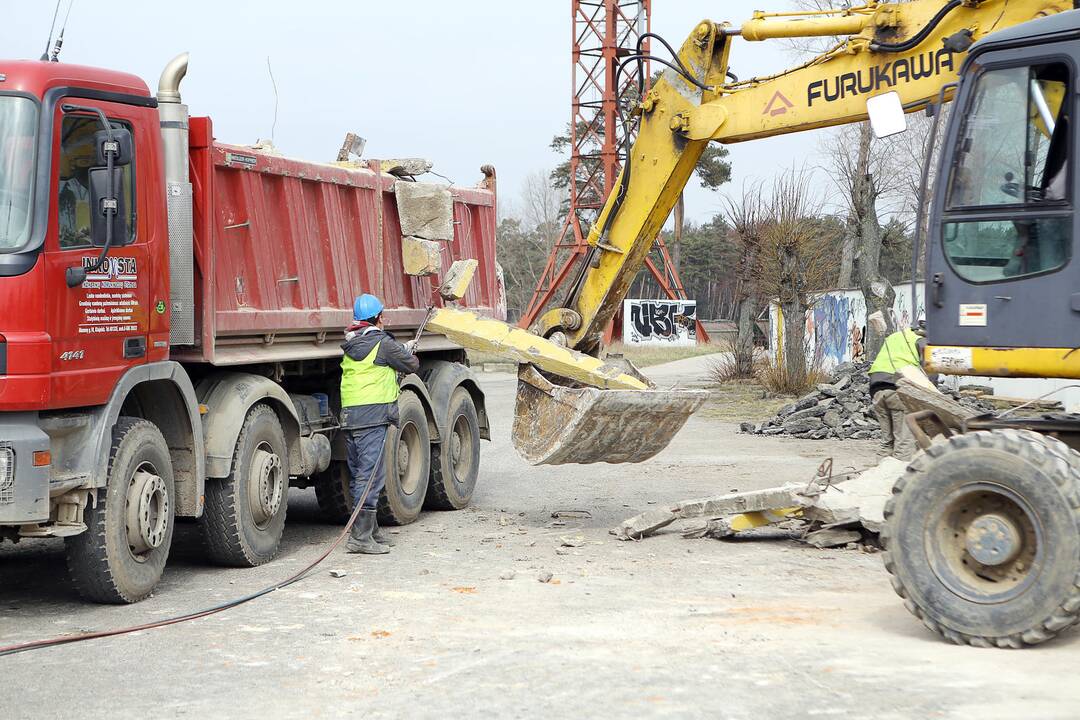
(486, 335)
(750, 520)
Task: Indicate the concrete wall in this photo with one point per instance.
(836, 325)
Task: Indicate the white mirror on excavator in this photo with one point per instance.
(887, 115)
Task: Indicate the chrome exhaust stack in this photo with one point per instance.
(173, 115)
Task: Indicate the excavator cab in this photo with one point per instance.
(982, 536)
(1002, 288)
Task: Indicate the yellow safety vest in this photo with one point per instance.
(365, 383)
(899, 350)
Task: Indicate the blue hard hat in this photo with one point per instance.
(366, 307)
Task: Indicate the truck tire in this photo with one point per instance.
(245, 512)
(122, 554)
(455, 462)
(332, 492)
(982, 538)
(408, 464)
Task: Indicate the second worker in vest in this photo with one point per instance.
(901, 349)
(369, 393)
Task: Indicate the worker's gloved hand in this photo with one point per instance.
(410, 346)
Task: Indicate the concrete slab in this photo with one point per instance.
(425, 210)
(420, 257)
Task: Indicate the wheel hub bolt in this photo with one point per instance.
(993, 539)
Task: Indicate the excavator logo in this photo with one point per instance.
(778, 105)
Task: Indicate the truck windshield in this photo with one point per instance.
(18, 132)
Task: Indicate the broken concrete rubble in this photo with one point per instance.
(406, 167)
(859, 500)
(841, 409)
(650, 521)
(426, 211)
(831, 537)
(834, 510)
(420, 257)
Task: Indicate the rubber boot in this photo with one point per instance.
(360, 540)
(383, 538)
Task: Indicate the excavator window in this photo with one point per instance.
(1012, 158)
(78, 153)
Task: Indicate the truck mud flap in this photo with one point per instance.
(556, 424)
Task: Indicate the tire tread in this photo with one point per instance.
(222, 530)
(88, 564)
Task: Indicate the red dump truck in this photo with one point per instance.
(172, 312)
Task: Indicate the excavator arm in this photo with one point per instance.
(914, 49)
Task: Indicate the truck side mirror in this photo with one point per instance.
(105, 209)
(122, 138)
(887, 115)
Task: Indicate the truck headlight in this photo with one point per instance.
(7, 474)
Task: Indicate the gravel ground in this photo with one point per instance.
(455, 621)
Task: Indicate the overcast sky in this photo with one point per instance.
(461, 83)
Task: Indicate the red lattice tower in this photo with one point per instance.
(605, 32)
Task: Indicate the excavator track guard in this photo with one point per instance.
(557, 424)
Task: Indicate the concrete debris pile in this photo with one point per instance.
(831, 511)
(839, 409)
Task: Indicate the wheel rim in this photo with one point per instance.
(408, 459)
(266, 484)
(986, 544)
(462, 447)
(147, 511)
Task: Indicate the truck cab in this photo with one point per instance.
(173, 309)
(67, 347)
(1001, 280)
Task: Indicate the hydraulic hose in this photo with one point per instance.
(920, 36)
(206, 612)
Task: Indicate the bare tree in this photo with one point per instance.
(524, 236)
(541, 202)
(793, 264)
(747, 217)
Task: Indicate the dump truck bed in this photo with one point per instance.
(283, 246)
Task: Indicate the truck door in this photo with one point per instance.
(99, 329)
(1000, 268)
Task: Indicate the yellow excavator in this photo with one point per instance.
(982, 534)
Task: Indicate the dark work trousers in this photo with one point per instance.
(365, 447)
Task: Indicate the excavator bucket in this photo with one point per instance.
(582, 409)
(558, 424)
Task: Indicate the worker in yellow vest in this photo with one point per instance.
(901, 349)
(369, 393)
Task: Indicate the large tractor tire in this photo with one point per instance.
(332, 492)
(408, 464)
(455, 462)
(245, 512)
(982, 538)
(122, 554)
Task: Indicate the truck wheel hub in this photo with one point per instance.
(267, 484)
(409, 457)
(993, 539)
(147, 511)
(455, 448)
(461, 448)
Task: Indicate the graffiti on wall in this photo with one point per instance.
(660, 322)
(902, 304)
(836, 324)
